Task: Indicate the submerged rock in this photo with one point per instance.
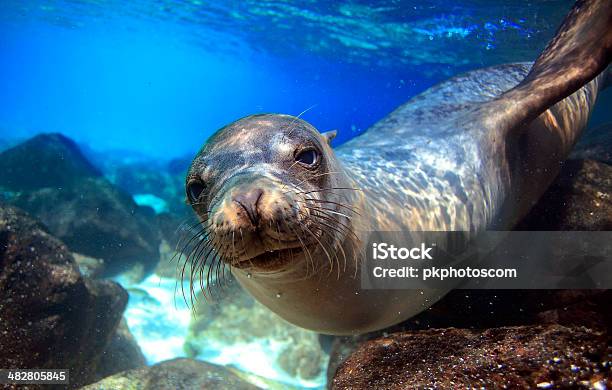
(47, 160)
(98, 220)
(163, 183)
(525, 357)
(89, 266)
(121, 354)
(175, 374)
(53, 181)
(579, 199)
(482, 309)
(50, 315)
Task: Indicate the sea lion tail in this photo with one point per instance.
(580, 50)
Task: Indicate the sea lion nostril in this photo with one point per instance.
(248, 200)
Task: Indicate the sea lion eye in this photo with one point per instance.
(307, 157)
(194, 190)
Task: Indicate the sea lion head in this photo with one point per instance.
(267, 191)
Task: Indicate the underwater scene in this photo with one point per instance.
(193, 194)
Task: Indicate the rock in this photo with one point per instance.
(166, 182)
(522, 357)
(141, 178)
(595, 144)
(97, 220)
(579, 199)
(52, 180)
(303, 359)
(47, 160)
(50, 315)
(481, 309)
(172, 375)
(89, 266)
(121, 354)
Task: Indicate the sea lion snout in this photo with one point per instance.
(248, 200)
(256, 216)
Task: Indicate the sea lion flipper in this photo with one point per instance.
(580, 50)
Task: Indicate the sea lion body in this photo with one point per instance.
(418, 171)
(290, 215)
(430, 160)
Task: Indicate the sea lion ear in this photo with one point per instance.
(329, 136)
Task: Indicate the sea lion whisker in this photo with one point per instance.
(222, 258)
(304, 249)
(295, 119)
(200, 270)
(330, 189)
(199, 264)
(195, 259)
(187, 260)
(335, 242)
(242, 240)
(327, 212)
(314, 177)
(330, 261)
(181, 228)
(178, 252)
(349, 208)
(209, 275)
(308, 200)
(278, 237)
(218, 267)
(333, 212)
(346, 230)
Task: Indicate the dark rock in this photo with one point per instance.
(152, 178)
(480, 309)
(50, 316)
(88, 266)
(96, 219)
(595, 144)
(579, 199)
(523, 357)
(122, 353)
(175, 374)
(47, 160)
(52, 180)
(142, 179)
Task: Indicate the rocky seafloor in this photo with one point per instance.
(88, 282)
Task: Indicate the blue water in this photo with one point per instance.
(158, 77)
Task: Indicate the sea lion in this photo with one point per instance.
(288, 213)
